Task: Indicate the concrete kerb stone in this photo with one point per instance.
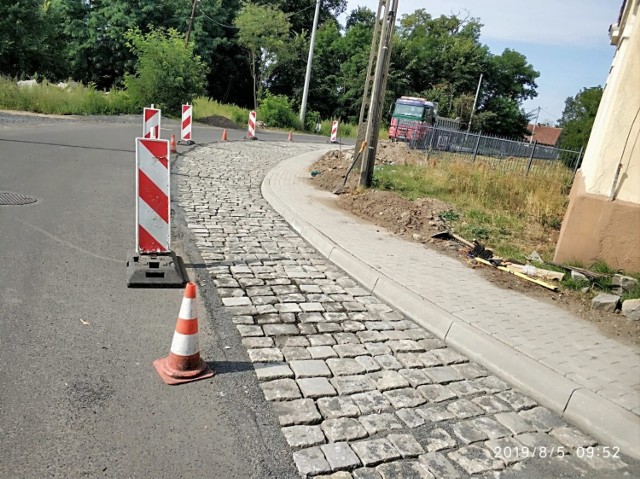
(356, 268)
(549, 388)
(611, 424)
(606, 421)
(421, 311)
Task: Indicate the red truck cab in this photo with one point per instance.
(411, 118)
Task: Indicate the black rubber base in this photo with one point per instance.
(163, 270)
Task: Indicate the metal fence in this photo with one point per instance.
(498, 152)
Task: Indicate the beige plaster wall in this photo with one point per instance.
(595, 228)
(597, 224)
(616, 129)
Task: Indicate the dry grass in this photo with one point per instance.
(512, 212)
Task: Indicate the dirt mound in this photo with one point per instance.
(418, 220)
(219, 121)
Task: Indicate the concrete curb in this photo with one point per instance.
(598, 416)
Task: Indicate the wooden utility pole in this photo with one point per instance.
(377, 93)
(375, 42)
(193, 14)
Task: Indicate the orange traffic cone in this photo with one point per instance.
(224, 135)
(184, 364)
(172, 144)
(290, 136)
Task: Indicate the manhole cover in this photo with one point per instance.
(8, 198)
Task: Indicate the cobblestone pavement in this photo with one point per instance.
(360, 391)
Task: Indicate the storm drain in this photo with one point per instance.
(13, 199)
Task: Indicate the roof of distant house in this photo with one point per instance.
(545, 135)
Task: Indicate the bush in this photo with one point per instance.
(276, 110)
(167, 73)
(311, 120)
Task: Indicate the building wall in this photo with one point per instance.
(603, 217)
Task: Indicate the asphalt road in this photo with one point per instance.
(78, 393)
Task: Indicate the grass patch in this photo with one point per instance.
(634, 293)
(575, 284)
(513, 213)
(73, 100)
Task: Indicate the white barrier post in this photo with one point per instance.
(251, 127)
(185, 131)
(334, 131)
(151, 120)
(153, 186)
(153, 263)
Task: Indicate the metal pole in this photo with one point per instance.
(533, 151)
(475, 150)
(193, 14)
(475, 102)
(307, 77)
(534, 125)
(373, 121)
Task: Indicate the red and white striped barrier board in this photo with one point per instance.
(151, 122)
(153, 186)
(251, 131)
(185, 132)
(334, 131)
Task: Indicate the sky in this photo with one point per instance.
(567, 41)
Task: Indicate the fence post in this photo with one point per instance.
(475, 150)
(575, 168)
(433, 133)
(533, 150)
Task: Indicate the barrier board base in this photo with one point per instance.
(186, 142)
(165, 270)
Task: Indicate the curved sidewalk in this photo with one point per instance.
(558, 359)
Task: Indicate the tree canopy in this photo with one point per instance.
(255, 48)
(578, 117)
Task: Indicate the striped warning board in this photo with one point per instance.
(334, 131)
(251, 126)
(185, 132)
(153, 186)
(151, 118)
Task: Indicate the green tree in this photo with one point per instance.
(300, 12)
(167, 72)
(263, 32)
(439, 51)
(578, 117)
(353, 59)
(442, 59)
(29, 40)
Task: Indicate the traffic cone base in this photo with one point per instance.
(183, 364)
(175, 369)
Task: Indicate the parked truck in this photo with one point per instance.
(413, 117)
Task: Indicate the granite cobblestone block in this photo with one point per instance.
(292, 307)
(371, 402)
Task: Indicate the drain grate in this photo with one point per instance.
(12, 199)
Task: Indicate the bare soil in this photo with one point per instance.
(219, 122)
(418, 220)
